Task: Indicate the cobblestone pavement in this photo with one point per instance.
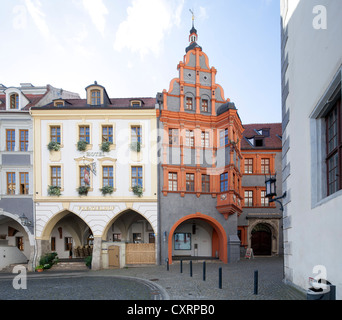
(156, 283)
(237, 280)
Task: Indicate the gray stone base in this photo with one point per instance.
(233, 249)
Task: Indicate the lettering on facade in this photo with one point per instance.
(96, 208)
(95, 154)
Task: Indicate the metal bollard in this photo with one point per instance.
(190, 268)
(167, 265)
(204, 271)
(220, 278)
(181, 266)
(256, 282)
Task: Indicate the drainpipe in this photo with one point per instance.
(160, 237)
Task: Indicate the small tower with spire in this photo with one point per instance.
(193, 35)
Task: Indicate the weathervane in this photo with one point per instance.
(193, 17)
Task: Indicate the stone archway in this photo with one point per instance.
(64, 233)
(10, 228)
(263, 235)
(131, 238)
(220, 234)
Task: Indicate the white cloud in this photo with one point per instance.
(97, 11)
(38, 16)
(146, 24)
(202, 14)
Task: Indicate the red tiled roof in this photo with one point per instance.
(114, 103)
(272, 142)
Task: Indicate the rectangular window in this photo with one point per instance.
(23, 135)
(189, 104)
(334, 148)
(248, 166)
(53, 243)
(117, 237)
(107, 134)
(182, 241)
(56, 176)
(20, 243)
(221, 138)
(173, 181)
(67, 243)
(95, 97)
(224, 182)
(173, 136)
(55, 134)
(107, 176)
(137, 238)
(205, 183)
(264, 200)
(205, 142)
(224, 140)
(190, 182)
(265, 166)
(84, 133)
(24, 182)
(151, 238)
(10, 139)
(189, 138)
(205, 105)
(248, 198)
(136, 134)
(14, 101)
(137, 176)
(11, 183)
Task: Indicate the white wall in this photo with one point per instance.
(10, 255)
(312, 231)
(203, 239)
(122, 154)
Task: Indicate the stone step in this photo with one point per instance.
(69, 266)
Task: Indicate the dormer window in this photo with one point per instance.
(136, 103)
(95, 97)
(58, 103)
(14, 101)
(259, 142)
(266, 132)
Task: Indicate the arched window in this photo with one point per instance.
(14, 101)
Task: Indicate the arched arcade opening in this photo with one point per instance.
(68, 235)
(197, 235)
(129, 239)
(16, 241)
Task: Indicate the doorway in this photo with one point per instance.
(261, 240)
(114, 256)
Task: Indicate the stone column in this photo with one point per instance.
(97, 254)
(43, 247)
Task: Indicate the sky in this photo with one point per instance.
(133, 47)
